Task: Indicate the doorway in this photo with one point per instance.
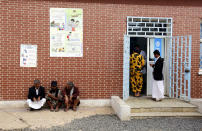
(148, 44)
(141, 43)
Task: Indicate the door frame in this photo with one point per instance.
(165, 61)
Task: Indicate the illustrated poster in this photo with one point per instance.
(28, 55)
(66, 32)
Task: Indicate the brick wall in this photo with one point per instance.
(98, 73)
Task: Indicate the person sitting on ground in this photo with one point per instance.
(36, 96)
(54, 97)
(71, 96)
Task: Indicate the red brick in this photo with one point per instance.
(99, 72)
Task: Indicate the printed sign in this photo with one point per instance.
(66, 32)
(28, 55)
(158, 44)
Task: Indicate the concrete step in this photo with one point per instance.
(165, 114)
(163, 109)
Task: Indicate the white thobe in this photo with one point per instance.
(158, 90)
(36, 104)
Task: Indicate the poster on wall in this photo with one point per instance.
(28, 55)
(66, 32)
(157, 44)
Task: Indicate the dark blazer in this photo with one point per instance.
(158, 69)
(32, 93)
(75, 93)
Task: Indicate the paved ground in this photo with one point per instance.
(21, 118)
(89, 119)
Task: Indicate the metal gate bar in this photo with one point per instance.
(181, 73)
(185, 58)
(189, 78)
(177, 64)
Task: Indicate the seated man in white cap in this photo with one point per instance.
(36, 96)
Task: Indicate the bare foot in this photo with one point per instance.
(51, 109)
(138, 94)
(74, 108)
(66, 109)
(57, 109)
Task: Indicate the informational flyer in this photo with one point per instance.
(157, 44)
(66, 32)
(28, 55)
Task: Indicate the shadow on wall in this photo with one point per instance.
(140, 2)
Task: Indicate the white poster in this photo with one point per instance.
(28, 55)
(66, 32)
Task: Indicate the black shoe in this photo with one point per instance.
(154, 99)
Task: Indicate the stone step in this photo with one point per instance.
(165, 114)
(163, 109)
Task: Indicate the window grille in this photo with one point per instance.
(149, 26)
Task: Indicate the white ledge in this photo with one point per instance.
(121, 109)
(84, 102)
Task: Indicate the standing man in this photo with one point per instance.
(36, 96)
(158, 87)
(71, 96)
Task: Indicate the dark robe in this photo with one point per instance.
(32, 93)
(158, 69)
(75, 92)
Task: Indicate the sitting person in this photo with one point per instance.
(54, 97)
(36, 96)
(71, 96)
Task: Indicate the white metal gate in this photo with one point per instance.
(180, 67)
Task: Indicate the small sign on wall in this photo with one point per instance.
(157, 44)
(28, 55)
